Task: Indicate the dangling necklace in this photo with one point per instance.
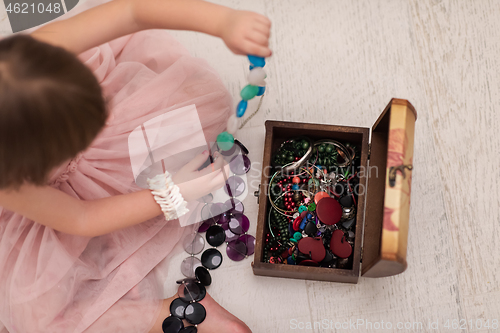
(222, 222)
(256, 87)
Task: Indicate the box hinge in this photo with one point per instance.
(369, 150)
(361, 256)
(257, 194)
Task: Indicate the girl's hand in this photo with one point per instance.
(194, 184)
(246, 32)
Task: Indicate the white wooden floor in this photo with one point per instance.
(340, 62)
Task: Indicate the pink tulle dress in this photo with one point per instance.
(55, 282)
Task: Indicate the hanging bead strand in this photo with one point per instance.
(256, 87)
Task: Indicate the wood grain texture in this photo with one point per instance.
(340, 62)
(457, 45)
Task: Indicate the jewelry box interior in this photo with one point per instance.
(276, 134)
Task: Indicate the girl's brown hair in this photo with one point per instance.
(51, 108)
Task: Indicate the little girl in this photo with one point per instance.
(79, 240)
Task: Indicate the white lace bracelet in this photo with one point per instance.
(168, 196)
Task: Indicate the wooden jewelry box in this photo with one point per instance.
(381, 227)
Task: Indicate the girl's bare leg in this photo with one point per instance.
(218, 319)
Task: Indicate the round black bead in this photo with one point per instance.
(211, 258)
(172, 325)
(311, 229)
(203, 276)
(189, 329)
(215, 235)
(244, 149)
(346, 201)
(192, 291)
(195, 313)
(177, 308)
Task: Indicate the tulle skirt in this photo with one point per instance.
(55, 282)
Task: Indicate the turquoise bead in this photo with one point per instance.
(261, 92)
(297, 235)
(257, 61)
(295, 187)
(302, 208)
(249, 92)
(225, 141)
(313, 182)
(241, 108)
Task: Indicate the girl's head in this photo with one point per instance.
(51, 108)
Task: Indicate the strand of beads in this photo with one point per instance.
(233, 228)
(256, 87)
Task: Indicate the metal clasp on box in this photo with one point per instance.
(257, 194)
(393, 170)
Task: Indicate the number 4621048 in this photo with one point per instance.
(472, 324)
(24, 8)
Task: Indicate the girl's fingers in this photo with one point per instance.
(253, 48)
(197, 162)
(220, 178)
(258, 37)
(217, 182)
(227, 169)
(262, 28)
(212, 167)
(219, 162)
(264, 20)
(223, 170)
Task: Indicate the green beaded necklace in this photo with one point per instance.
(256, 87)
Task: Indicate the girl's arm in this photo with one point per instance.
(62, 212)
(59, 211)
(243, 32)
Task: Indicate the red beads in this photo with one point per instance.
(319, 196)
(329, 211)
(339, 246)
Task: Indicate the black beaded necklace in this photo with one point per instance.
(222, 222)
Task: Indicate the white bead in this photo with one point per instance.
(232, 125)
(260, 84)
(256, 77)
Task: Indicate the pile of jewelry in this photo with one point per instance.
(313, 196)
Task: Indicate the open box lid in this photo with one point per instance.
(389, 173)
